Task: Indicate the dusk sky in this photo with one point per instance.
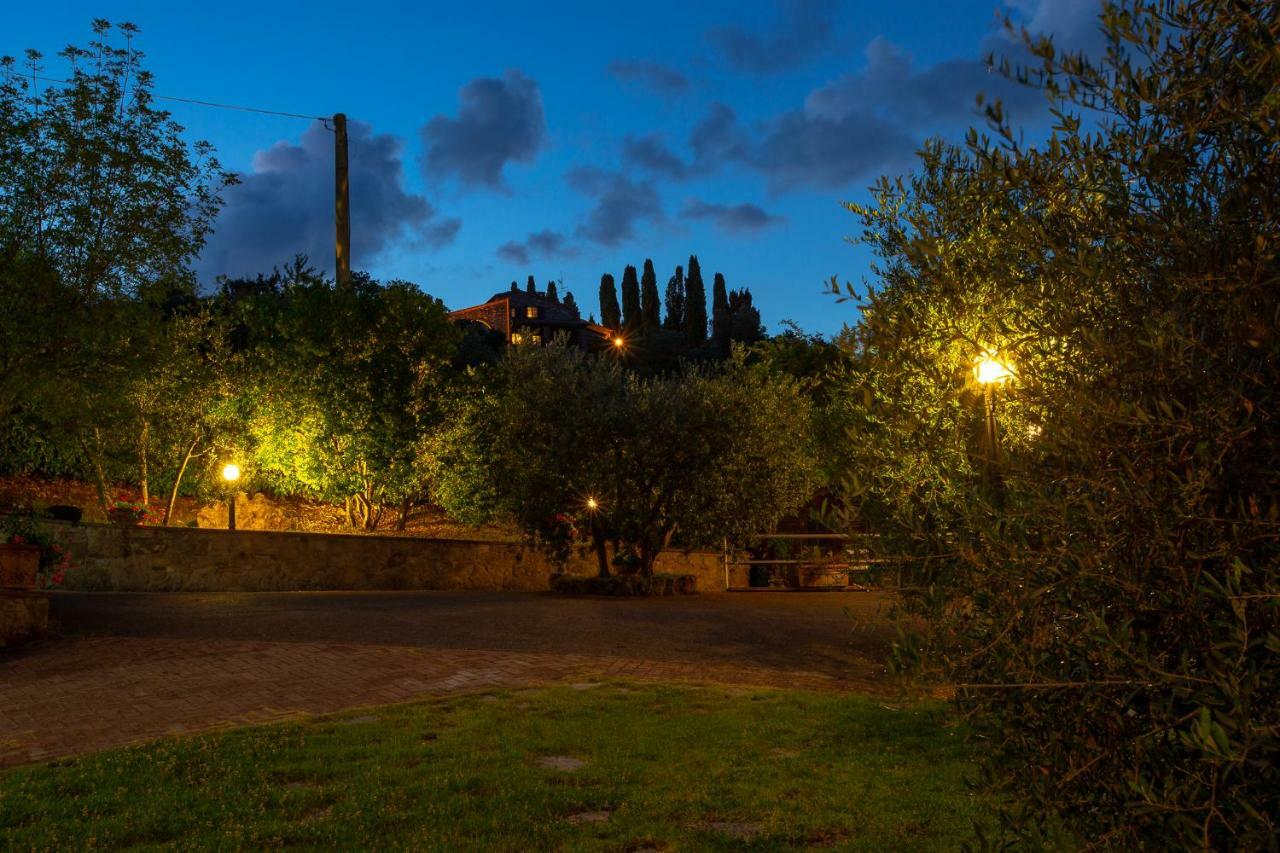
(491, 141)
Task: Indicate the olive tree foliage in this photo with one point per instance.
(1107, 605)
(640, 464)
(340, 383)
(100, 196)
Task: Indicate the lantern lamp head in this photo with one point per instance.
(990, 370)
(231, 472)
(593, 504)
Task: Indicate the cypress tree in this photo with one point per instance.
(631, 300)
(552, 294)
(720, 315)
(650, 310)
(695, 303)
(609, 314)
(570, 303)
(675, 302)
(744, 319)
(530, 287)
(514, 287)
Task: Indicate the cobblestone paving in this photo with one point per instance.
(79, 694)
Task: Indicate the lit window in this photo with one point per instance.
(536, 340)
(517, 338)
(531, 312)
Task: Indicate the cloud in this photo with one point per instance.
(499, 122)
(801, 149)
(650, 153)
(731, 217)
(650, 75)
(714, 140)
(545, 243)
(284, 205)
(804, 32)
(620, 203)
(1073, 24)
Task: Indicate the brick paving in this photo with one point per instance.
(78, 694)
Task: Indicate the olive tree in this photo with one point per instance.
(1106, 604)
(637, 464)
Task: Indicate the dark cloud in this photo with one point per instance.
(803, 33)
(730, 217)
(285, 206)
(619, 204)
(545, 243)
(652, 154)
(1073, 25)
(499, 122)
(714, 140)
(802, 149)
(650, 75)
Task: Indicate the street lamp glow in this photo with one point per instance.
(593, 504)
(231, 472)
(619, 342)
(990, 370)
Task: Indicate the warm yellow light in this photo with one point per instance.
(990, 370)
(592, 503)
(619, 341)
(231, 472)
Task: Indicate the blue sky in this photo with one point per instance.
(493, 141)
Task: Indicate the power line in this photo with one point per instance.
(324, 119)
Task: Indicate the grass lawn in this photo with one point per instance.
(661, 767)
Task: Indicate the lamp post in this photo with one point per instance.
(991, 372)
(230, 474)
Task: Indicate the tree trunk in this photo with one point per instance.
(602, 553)
(143, 440)
(177, 481)
(403, 521)
(99, 473)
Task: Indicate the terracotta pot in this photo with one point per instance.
(19, 566)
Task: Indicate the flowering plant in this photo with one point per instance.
(133, 512)
(55, 560)
(559, 532)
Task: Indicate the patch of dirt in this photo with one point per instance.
(26, 492)
(561, 762)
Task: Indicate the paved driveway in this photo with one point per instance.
(129, 667)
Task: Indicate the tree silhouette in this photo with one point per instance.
(650, 310)
(720, 315)
(610, 315)
(675, 302)
(631, 312)
(695, 303)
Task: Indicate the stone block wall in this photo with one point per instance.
(193, 559)
(23, 616)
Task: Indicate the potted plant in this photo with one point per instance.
(129, 513)
(29, 558)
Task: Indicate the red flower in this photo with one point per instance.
(18, 540)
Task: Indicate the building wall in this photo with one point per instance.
(193, 559)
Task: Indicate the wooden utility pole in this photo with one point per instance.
(341, 199)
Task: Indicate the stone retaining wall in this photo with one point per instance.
(152, 559)
(23, 616)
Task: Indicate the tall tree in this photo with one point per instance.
(569, 301)
(650, 309)
(720, 315)
(742, 319)
(552, 293)
(695, 303)
(531, 286)
(631, 319)
(514, 287)
(610, 314)
(675, 302)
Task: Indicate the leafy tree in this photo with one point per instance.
(675, 300)
(103, 206)
(651, 310)
(610, 314)
(690, 458)
(742, 320)
(1104, 597)
(695, 303)
(631, 311)
(569, 301)
(720, 315)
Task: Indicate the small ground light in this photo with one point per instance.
(231, 473)
(592, 503)
(619, 342)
